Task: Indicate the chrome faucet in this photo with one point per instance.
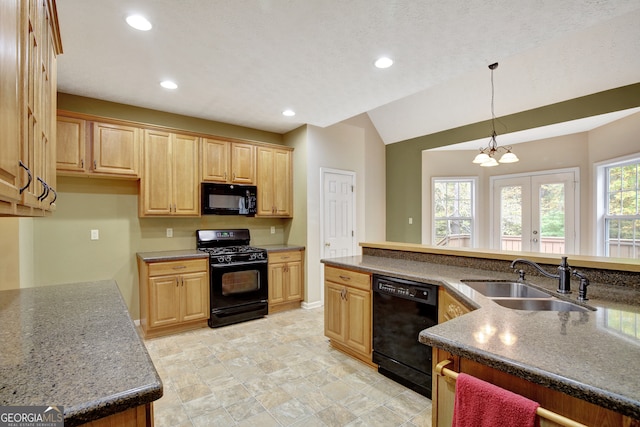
(563, 276)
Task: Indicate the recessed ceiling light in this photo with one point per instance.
(289, 113)
(139, 22)
(168, 84)
(383, 62)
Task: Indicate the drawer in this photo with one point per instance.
(348, 278)
(177, 267)
(277, 257)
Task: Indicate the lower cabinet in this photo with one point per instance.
(347, 312)
(449, 307)
(286, 280)
(568, 406)
(174, 295)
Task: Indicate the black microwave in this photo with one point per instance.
(229, 199)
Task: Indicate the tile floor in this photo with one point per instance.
(275, 371)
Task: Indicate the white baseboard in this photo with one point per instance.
(310, 305)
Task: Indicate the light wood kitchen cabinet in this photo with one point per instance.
(443, 395)
(274, 182)
(96, 148)
(170, 182)
(116, 149)
(449, 307)
(174, 295)
(10, 146)
(347, 312)
(30, 41)
(228, 161)
(286, 280)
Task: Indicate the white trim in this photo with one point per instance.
(576, 200)
(311, 305)
(474, 207)
(599, 201)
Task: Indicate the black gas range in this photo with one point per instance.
(238, 276)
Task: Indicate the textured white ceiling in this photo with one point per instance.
(245, 61)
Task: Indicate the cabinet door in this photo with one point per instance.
(266, 197)
(155, 184)
(358, 320)
(116, 149)
(186, 176)
(295, 289)
(194, 300)
(164, 301)
(242, 163)
(282, 183)
(9, 103)
(215, 160)
(276, 283)
(334, 311)
(70, 144)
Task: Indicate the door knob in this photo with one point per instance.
(327, 244)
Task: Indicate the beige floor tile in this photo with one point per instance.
(278, 371)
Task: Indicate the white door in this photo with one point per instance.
(535, 213)
(338, 213)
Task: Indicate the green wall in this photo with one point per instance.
(404, 159)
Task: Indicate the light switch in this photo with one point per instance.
(273, 229)
(95, 235)
(410, 220)
(169, 232)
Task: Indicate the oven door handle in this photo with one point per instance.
(233, 264)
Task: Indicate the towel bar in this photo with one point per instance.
(542, 413)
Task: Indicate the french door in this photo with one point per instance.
(535, 213)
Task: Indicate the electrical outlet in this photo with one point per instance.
(95, 235)
(169, 232)
(273, 229)
(410, 220)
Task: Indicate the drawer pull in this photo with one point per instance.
(346, 278)
(179, 267)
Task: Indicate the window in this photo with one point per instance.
(622, 210)
(453, 212)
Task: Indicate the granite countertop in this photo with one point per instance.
(73, 345)
(281, 248)
(159, 256)
(583, 354)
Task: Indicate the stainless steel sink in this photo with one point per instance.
(550, 304)
(505, 289)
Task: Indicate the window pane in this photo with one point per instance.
(511, 220)
(453, 212)
(615, 184)
(629, 177)
(552, 210)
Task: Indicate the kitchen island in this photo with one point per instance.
(74, 345)
(580, 354)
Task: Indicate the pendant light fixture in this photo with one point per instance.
(486, 156)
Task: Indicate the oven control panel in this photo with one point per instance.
(406, 289)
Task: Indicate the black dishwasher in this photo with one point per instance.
(401, 309)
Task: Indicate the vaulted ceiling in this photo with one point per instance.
(244, 62)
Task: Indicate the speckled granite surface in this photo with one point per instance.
(585, 355)
(73, 345)
(171, 255)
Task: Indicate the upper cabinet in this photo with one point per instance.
(97, 148)
(170, 181)
(228, 161)
(29, 41)
(274, 182)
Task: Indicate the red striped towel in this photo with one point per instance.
(481, 404)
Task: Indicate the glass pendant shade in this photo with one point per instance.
(489, 163)
(481, 158)
(509, 157)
